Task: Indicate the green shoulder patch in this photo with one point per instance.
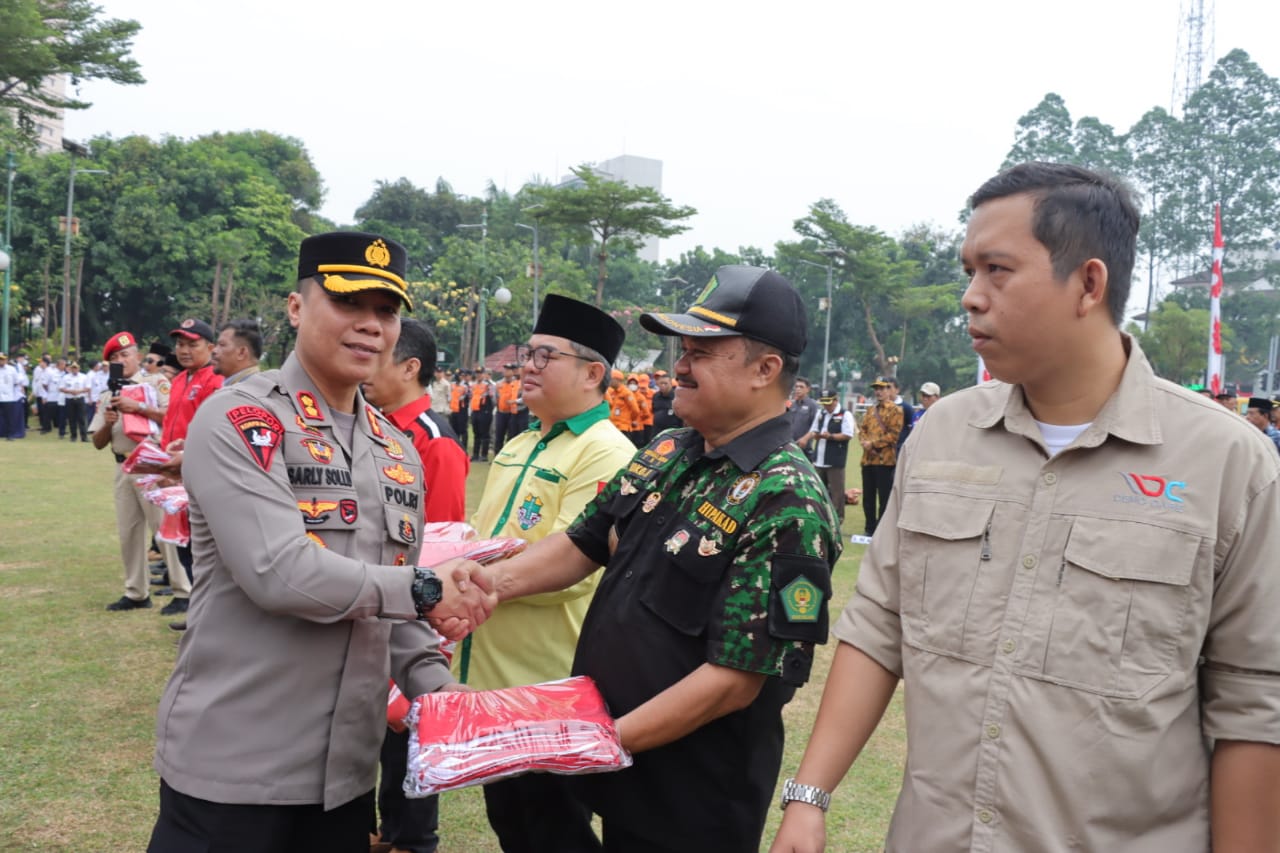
(802, 600)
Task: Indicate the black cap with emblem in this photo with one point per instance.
(740, 300)
(354, 261)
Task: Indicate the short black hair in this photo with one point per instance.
(1079, 214)
(247, 332)
(417, 341)
(790, 363)
(586, 352)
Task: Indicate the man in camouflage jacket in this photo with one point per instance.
(718, 541)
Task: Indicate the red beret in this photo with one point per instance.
(117, 342)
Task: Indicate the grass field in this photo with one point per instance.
(80, 685)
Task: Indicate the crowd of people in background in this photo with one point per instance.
(485, 414)
(717, 542)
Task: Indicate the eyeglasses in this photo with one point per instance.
(151, 361)
(540, 356)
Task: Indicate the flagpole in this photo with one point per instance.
(1213, 376)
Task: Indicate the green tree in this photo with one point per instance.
(616, 213)
(1043, 133)
(1233, 125)
(868, 276)
(1154, 145)
(155, 230)
(1098, 147)
(1177, 340)
(43, 38)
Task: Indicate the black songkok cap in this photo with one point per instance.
(581, 323)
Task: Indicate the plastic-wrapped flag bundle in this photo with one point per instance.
(171, 499)
(445, 540)
(176, 526)
(145, 458)
(461, 739)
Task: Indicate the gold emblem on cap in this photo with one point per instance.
(378, 254)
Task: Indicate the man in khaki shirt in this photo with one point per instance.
(136, 517)
(1077, 590)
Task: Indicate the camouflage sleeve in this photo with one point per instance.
(590, 531)
(772, 606)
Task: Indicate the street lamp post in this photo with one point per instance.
(72, 148)
(537, 266)
(537, 269)
(483, 225)
(830, 255)
(8, 258)
(502, 296)
(679, 288)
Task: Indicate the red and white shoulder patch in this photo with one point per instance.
(260, 430)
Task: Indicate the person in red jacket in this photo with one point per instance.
(193, 342)
(399, 388)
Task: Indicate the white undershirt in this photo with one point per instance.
(1057, 438)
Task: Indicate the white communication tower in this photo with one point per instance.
(1195, 51)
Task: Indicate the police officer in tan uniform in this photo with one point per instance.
(136, 517)
(306, 597)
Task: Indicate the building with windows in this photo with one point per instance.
(638, 172)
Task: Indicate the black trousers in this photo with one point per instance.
(58, 416)
(44, 414)
(877, 483)
(187, 559)
(501, 427)
(458, 420)
(408, 824)
(480, 424)
(538, 813)
(190, 825)
(76, 423)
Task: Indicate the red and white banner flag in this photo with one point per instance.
(1214, 374)
(984, 375)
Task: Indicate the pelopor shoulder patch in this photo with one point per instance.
(801, 600)
(260, 430)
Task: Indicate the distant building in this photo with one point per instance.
(638, 172)
(48, 129)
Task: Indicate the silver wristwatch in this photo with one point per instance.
(792, 790)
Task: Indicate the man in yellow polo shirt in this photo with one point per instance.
(537, 485)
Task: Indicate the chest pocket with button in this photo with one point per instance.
(1120, 604)
(683, 588)
(952, 590)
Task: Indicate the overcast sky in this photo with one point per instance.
(895, 110)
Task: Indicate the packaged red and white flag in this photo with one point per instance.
(397, 709)
(146, 458)
(445, 540)
(461, 739)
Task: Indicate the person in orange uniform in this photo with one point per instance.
(482, 399)
(508, 392)
(645, 395)
(624, 411)
(459, 402)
